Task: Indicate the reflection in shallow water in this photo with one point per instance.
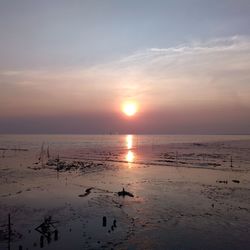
(129, 140)
(130, 156)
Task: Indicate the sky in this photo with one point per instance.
(68, 66)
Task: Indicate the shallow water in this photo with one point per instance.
(190, 192)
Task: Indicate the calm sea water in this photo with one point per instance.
(119, 141)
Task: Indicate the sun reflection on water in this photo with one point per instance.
(130, 156)
(129, 140)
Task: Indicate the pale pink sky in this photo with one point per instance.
(183, 82)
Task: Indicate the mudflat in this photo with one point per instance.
(186, 192)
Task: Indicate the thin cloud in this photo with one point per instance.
(199, 73)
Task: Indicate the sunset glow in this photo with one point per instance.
(62, 76)
(124, 124)
(130, 109)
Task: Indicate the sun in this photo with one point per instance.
(130, 109)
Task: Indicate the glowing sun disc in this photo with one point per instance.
(129, 109)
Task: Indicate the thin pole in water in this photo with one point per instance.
(9, 230)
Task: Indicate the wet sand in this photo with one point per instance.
(190, 195)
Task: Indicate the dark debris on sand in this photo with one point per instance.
(124, 193)
(64, 166)
(87, 192)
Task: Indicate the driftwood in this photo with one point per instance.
(87, 192)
